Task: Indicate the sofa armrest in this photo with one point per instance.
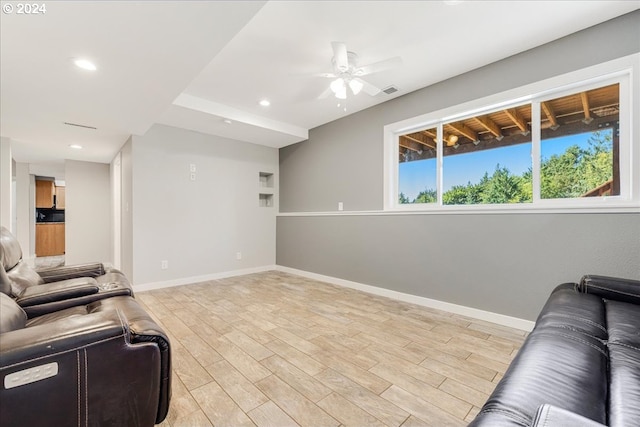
(72, 272)
(60, 336)
(612, 288)
(552, 416)
(143, 329)
(86, 366)
(57, 291)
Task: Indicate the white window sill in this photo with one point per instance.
(481, 210)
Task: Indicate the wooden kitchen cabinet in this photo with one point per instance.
(50, 239)
(44, 194)
(60, 197)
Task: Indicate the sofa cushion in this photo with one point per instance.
(10, 252)
(563, 362)
(551, 416)
(568, 309)
(623, 320)
(54, 316)
(12, 316)
(5, 282)
(23, 276)
(551, 367)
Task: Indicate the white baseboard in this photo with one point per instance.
(500, 319)
(196, 279)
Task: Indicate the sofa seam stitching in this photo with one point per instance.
(62, 352)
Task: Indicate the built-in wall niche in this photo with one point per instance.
(266, 179)
(265, 195)
(265, 200)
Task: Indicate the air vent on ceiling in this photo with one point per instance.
(80, 126)
(389, 90)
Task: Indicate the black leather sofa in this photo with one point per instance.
(580, 366)
(45, 291)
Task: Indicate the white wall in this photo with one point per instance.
(6, 177)
(126, 214)
(24, 210)
(198, 226)
(115, 170)
(88, 212)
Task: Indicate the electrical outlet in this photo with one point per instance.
(340, 206)
(192, 167)
(192, 177)
(238, 255)
(164, 264)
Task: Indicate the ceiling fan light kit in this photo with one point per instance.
(356, 86)
(339, 89)
(347, 73)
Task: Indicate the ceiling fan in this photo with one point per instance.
(347, 73)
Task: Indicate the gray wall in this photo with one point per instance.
(501, 263)
(504, 263)
(197, 226)
(342, 160)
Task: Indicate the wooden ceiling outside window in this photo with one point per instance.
(577, 113)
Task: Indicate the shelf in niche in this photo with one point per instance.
(266, 179)
(265, 200)
(265, 193)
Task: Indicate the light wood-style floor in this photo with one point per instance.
(274, 349)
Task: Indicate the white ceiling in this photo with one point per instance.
(192, 64)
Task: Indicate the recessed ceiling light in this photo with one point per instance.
(76, 146)
(265, 103)
(85, 64)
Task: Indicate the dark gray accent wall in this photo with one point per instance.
(504, 263)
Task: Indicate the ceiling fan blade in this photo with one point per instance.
(378, 66)
(368, 88)
(328, 75)
(340, 55)
(325, 94)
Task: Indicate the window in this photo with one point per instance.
(579, 144)
(487, 158)
(560, 147)
(417, 175)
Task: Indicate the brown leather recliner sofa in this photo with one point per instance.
(44, 291)
(92, 359)
(106, 363)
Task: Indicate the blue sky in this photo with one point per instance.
(470, 167)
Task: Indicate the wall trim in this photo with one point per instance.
(608, 206)
(500, 319)
(196, 279)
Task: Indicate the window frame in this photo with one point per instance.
(623, 71)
